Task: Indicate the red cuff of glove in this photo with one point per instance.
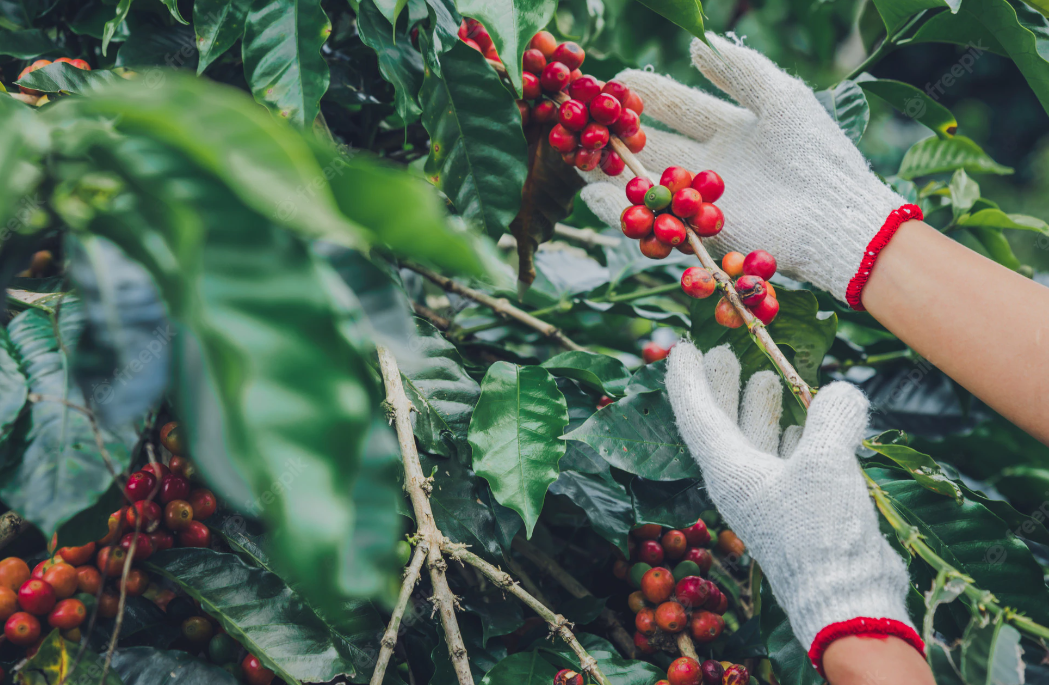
(863, 627)
(896, 218)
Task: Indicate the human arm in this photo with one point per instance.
(866, 660)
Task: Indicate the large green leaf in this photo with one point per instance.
(973, 540)
(61, 471)
(895, 12)
(465, 510)
(604, 501)
(637, 434)
(914, 103)
(923, 467)
(790, 661)
(515, 433)
(848, 107)
(598, 371)
(53, 663)
(399, 62)
(56, 77)
(149, 666)
(996, 218)
(282, 57)
(478, 154)
(934, 155)
(511, 23)
(441, 391)
(523, 668)
(675, 503)
(218, 24)
(14, 389)
(152, 47)
(258, 610)
(688, 14)
(964, 193)
(26, 44)
(991, 654)
(110, 30)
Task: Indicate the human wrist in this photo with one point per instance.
(879, 241)
(859, 660)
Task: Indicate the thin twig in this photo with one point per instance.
(419, 487)
(389, 638)
(123, 600)
(439, 322)
(500, 306)
(558, 623)
(566, 580)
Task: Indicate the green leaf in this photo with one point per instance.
(964, 192)
(172, 6)
(149, 666)
(914, 103)
(991, 654)
(973, 540)
(61, 471)
(688, 14)
(270, 167)
(26, 44)
(515, 433)
(597, 371)
(523, 668)
(618, 670)
(123, 7)
(53, 661)
(399, 62)
(934, 155)
(258, 610)
(14, 389)
(997, 247)
(153, 48)
(218, 24)
(604, 501)
(895, 12)
(466, 512)
(478, 154)
(674, 503)
(61, 76)
(511, 23)
(500, 614)
(389, 9)
(848, 107)
(282, 57)
(996, 218)
(124, 355)
(790, 661)
(923, 467)
(441, 391)
(637, 434)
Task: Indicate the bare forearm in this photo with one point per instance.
(982, 324)
(867, 660)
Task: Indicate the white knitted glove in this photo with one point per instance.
(795, 185)
(801, 507)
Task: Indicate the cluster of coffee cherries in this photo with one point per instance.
(474, 34)
(670, 600)
(752, 274)
(78, 63)
(688, 671)
(660, 215)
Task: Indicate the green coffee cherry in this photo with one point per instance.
(657, 198)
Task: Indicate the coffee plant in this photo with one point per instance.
(315, 368)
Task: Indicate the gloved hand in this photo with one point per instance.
(800, 505)
(795, 185)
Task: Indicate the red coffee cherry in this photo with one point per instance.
(627, 124)
(67, 614)
(77, 556)
(674, 543)
(544, 112)
(533, 61)
(143, 545)
(157, 469)
(530, 87)
(698, 283)
(708, 220)
(574, 76)
(636, 142)
(601, 404)
(726, 315)
(561, 139)
(572, 114)
(62, 578)
(554, 77)
(30, 69)
(736, 674)
(161, 540)
(645, 621)
(644, 647)
(732, 263)
(605, 109)
(653, 248)
(706, 626)
(254, 672)
(585, 89)
(634, 102)
(479, 34)
(78, 63)
(766, 310)
(685, 203)
(676, 178)
(692, 591)
(701, 557)
(36, 597)
(759, 263)
(567, 676)
(587, 160)
(139, 485)
(22, 629)
(722, 605)
(150, 513)
(203, 502)
(618, 90)
(110, 561)
(697, 534)
(620, 569)
(648, 531)
(712, 672)
(686, 248)
(751, 289)
(650, 551)
(569, 157)
(569, 54)
(714, 598)
(671, 617)
(636, 189)
(171, 438)
(88, 580)
(669, 229)
(684, 671)
(172, 488)
(709, 185)
(636, 221)
(611, 163)
(545, 43)
(657, 584)
(195, 534)
(652, 352)
(594, 135)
